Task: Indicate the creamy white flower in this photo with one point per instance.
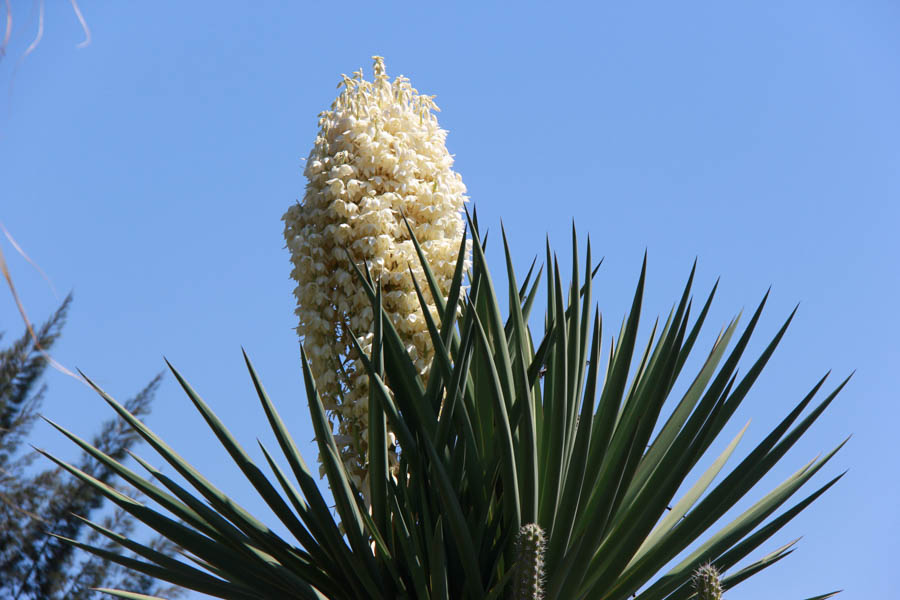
(379, 155)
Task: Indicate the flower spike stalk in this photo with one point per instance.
(707, 583)
(379, 156)
(528, 580)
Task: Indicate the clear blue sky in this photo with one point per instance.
(148, 173)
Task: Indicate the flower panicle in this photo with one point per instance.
(379, 156)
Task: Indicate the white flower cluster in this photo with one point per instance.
(379, 155)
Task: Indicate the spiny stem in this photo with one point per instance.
(706, 582)
(528, 582)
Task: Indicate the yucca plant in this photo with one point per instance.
(539, 466)
(504, 434)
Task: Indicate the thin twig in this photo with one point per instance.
(37, 345)
(8, 31)
(27, 258)
(40, 32)
(84, 25)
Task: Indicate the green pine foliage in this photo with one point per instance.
(33, 564)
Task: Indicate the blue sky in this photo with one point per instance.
(148, 173)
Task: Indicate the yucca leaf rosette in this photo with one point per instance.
(379, 156)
